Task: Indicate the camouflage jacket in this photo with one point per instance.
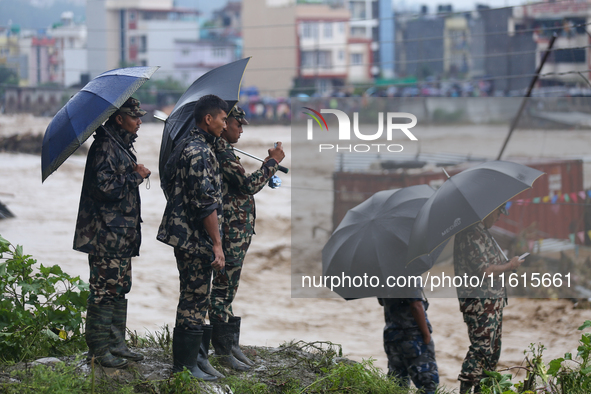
(474, 251)
(196, 192)
(109, 219)
(239, 187)
(400, 322)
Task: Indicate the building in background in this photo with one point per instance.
(273, 66)
(569, 20)
(193, 58)
(226, 25)
(364, 45)
(14, 49)
(301, 47)
(137, 32)
(43, 62)
(324, 51)
(510, 54)
(70, 43)
(420, 45)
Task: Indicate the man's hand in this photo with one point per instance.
(276, 153)
(514, 263)
(219, 261)
(142, 170)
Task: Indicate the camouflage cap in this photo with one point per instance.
(132, 107)
(238, 114)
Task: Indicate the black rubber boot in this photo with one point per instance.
(236, 351)
(98, 323)
(465, 387)
(118, 328)
(202, 359)
(222, 339)
(185, 351)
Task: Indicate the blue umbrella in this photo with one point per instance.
(86, 111)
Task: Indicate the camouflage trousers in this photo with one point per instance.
(412, 358)
(484, 318)
(109, 278)
(225, 284)
(195, 285)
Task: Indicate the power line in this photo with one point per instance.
(368, 85)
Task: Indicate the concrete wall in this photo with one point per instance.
(273, 48)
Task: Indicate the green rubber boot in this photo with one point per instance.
(98, 323)
(118, 328)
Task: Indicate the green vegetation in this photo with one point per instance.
(7, 77)
(40, 309)
(569, 374)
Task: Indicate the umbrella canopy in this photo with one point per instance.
(86, 111)
(372, 240)
(223, 81)
(465, 199)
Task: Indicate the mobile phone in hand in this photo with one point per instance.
(523, 256)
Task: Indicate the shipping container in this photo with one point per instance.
(553, 208)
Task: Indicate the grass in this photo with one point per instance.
(292, 368)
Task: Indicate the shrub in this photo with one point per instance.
(40, 309)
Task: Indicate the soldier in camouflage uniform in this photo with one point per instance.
(192, 225)
(108, 229)
(475, 254)
(239, 217)
(408, 343)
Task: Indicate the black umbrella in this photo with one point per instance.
(223, 81)
(372, 240)
(465, 199)
(86, 111)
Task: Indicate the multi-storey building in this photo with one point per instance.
(70, 46)
(13, 53)
(43, 62)
(193, 58)
(137, 32)
(373, 22)
(323, 53)
(569, 21)
(302, 45)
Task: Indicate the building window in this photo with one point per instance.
(219, 52)
(185, 51)
(341, 27)
(356, 59)
(327, 29)
(143, 44)
(309, 29)
(358, 31)
(357, 9)
(341, 55)
(569, 55)
(308, 59)
(311, 59)
(324, 59)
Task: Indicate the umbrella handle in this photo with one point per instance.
(285, 170)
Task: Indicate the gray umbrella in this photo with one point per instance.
(465, 199)
(372, 240)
